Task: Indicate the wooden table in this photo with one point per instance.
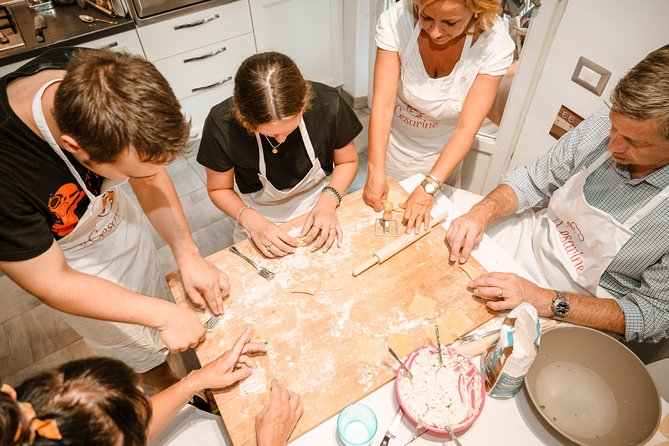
(331, 347)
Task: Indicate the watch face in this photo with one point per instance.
(430, 188)
(561, 308)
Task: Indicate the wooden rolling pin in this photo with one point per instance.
(475, 348)
(396, 246)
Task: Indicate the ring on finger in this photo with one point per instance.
(268, 247)
(501, 293)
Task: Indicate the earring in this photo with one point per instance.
(476, 15)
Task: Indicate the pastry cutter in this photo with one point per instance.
(387, 226)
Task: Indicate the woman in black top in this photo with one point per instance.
(280, 147)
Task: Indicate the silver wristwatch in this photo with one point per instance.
(430, 187)
(560, 307)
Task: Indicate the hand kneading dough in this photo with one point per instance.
(254, 384)
(422, 306)
(402, 344)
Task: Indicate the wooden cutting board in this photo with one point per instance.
(332, 347)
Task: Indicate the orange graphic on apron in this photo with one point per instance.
(63, 205)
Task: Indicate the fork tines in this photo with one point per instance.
(267, 274)
(211, 322)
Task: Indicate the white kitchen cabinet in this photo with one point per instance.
(309, 31)
(199, 54)
(127, 41)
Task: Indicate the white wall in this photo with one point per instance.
(615, 34)
(356, 47)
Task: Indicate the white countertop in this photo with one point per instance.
(502, 422)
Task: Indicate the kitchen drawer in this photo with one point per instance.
(127, 41)
(197, 106)
(191, 31)
(205, 65)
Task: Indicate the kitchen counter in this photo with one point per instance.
(63, 29)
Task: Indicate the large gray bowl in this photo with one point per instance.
(592, 389)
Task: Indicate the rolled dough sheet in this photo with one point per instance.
(457, 322)
(446, 336)
(255, 384)
(470, 270)
(422, 306)
(309, 287)
(664, 426)
(401, 343)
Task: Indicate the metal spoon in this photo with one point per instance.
(89, 19)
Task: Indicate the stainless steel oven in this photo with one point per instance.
(150, 11)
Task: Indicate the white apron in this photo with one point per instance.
(569, 245)
(426, 113)
(111, 241)
(277, 205)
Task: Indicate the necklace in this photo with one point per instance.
(274, 147)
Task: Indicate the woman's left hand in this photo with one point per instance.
(505, 291)
(232, 366)
(322, 224)
(417, 210)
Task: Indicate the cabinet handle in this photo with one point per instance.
(215, 84)
(108, 46)
(205, 56)
(198, 22)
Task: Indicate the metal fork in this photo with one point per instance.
(477, 336)
(267, 274)
(211, 322)
(453, 437)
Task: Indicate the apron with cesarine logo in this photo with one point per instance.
(111, 240)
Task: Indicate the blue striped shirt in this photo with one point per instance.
(638, 276)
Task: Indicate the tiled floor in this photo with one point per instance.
(211, 228)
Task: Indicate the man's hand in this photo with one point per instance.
(464, 233)
(276, 421)
(270, 239)
(180, 328)
(505, 291)
(205, 284)
(417, 210)
(232, 366)
(375, 191)
(322, 225)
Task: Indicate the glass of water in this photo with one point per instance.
(356, 425)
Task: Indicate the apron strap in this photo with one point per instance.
(647, 208)
(40, 121)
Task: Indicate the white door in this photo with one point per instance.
(309, 31)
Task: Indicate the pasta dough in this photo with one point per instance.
(457, 322)
(254, 384)
(402, 344)
(470, 270)
(422, 306)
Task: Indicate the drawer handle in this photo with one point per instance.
(216, 84)
(205, 56)
(198, 22)
(108, 46)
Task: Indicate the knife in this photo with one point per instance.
(392, 429)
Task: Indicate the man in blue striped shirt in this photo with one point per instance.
(605, 229)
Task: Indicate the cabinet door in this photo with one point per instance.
(309, 31)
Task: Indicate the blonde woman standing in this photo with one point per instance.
(438, 66)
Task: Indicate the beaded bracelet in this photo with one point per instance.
(334, 192)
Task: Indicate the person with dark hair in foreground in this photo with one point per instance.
(98, 401)
(605, 231)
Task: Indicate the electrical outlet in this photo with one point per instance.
(591, 76)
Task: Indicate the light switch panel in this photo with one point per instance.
(591, 76)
